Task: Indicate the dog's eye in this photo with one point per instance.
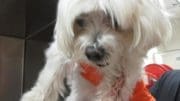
(79, 25)
(80, 22)
(111, 22)
(115, 24)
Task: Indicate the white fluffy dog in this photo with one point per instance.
(111, 35)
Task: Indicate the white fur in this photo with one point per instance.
(149, 25)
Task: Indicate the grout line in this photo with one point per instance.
(12, 36)
(41, 29)
(23, 68)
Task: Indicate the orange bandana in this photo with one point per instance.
(141, 93)
(91, 74)
(94, 76)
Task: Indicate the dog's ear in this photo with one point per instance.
(152, 26)
(64, 34)
(63, 40)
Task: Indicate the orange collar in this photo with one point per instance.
(95, 77)
(91, 74)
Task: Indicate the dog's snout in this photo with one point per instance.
(95, 53)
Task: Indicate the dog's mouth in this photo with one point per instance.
(102, 64)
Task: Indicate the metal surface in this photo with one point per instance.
(11, 68)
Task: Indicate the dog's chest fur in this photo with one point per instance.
(117, 89)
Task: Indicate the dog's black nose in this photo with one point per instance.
(95, 53)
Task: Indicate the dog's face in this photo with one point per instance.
(103, 32)
(99, 39)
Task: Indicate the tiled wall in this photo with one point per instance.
(11, 68)
(26, 28)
